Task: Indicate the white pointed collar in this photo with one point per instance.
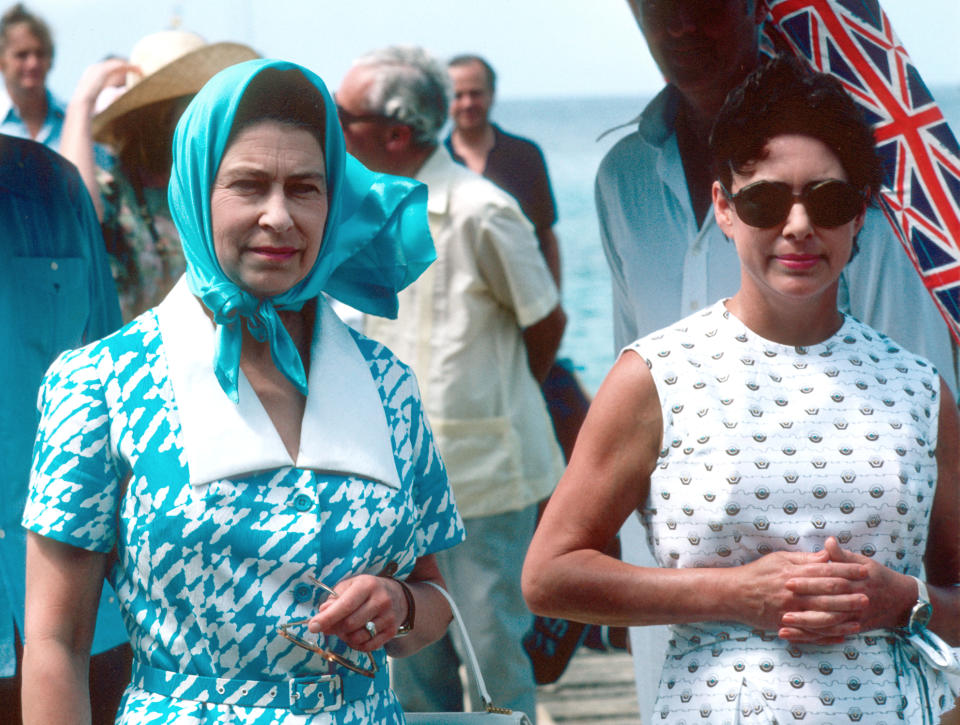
(344, 425)
(436, 174)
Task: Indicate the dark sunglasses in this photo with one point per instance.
(346, 117)
(766, 204)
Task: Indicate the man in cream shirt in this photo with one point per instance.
(479, 328)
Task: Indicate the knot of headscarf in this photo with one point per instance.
(232, 308)
(376, 240)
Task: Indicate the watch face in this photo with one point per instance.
(920, 616)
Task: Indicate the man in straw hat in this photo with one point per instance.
(147, 94)
(27, 108)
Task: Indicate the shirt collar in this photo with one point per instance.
(344, 426)
(436, 175)
(448, 143)
(6, 105)
(55, 107)
(657, 122)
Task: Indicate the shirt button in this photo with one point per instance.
(54, 266)
(302, 502)
(694, 306)
(3, 534)
(302, 593)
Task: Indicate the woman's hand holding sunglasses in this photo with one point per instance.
(364, 611)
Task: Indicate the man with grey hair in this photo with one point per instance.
(480, 328)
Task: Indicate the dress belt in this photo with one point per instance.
(303, 695)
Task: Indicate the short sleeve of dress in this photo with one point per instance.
(74, 481)
(440, 525)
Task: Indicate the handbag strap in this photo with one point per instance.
(471, 655)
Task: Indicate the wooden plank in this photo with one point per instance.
(596, 689)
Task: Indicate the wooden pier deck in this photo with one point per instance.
(596, 689)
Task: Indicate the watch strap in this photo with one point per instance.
(922, 610)
(406, 627)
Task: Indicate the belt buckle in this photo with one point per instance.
(313, 694)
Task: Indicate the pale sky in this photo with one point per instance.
(540, 48)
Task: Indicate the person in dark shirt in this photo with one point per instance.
(513, 163)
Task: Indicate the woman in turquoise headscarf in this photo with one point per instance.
(257, 480)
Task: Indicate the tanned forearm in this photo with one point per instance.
(55, 689)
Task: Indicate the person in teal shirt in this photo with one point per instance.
(56, 293)
(27, 108)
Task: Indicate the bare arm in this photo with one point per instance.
(380, 600)
(63, 591)
(542, 340)
(76, 142)
(550, 249)
(567, 575)
(943, 543)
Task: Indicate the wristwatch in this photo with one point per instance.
(406, 627)
(922, 610)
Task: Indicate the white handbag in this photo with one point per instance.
(491, 714)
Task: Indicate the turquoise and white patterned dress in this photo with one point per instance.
(217, 539)
(769, 447)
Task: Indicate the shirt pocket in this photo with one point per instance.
(484, 461)
(56, 303)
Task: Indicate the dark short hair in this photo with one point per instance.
(285, 96)
(783, 97)
(19, 14)
(468, 58)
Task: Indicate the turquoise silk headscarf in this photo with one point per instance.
(375, 243)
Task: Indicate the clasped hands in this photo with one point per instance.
(826, 596)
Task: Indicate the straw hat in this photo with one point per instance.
(173, 63)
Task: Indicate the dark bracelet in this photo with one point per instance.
(406, 627)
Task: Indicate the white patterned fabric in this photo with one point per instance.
(664, 266)
(206, 571)
(768, 447)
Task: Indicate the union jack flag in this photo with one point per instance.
(853, 41)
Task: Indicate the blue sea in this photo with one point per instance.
(566, 130)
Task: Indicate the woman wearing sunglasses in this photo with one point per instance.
(796, 471)
(257, 481)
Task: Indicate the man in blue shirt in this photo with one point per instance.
(27, 108)
(56, 293)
